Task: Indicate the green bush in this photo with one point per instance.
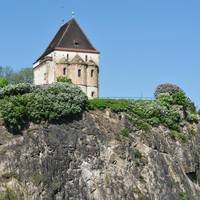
(55, 102)
(3, 82)
(18, 89)
(25, 103)
(13, 112)
(154, 113)
(180, 98)
(64, 79)
(192, 117)
(165, 109)
(113, 104)
(51, 103)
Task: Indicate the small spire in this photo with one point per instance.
(73, 14)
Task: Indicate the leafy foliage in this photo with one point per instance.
(166, 109)
(24, 103)
(64, 79)
(52, 103)
(3, 82)
(13, 112)
(18, 89)
(114, 105)
(7, 73)
(25, 75)
(167, 88)
(57, 101)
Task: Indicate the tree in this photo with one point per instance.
(3, 82)
(6, 72)
(25, 75)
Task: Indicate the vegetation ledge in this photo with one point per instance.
(57, 144)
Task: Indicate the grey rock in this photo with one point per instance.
(88, 159)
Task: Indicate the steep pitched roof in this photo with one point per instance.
(70, 37)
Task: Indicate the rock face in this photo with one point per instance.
(98, 156)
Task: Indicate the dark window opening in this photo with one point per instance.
(92, 94)
(67, 56)
(92, 73)
(76, 43)
(79, 73)
(86, 58)
(64, 71)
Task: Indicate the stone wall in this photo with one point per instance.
(47, 72)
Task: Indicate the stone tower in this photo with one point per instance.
(70, 54)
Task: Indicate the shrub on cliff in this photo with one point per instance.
(167, 109)
(178, 98)
(13, 112)
(166, 88)
(55, 102)
(115, 105)
(18, 89)
(153, 113)
(51, 103)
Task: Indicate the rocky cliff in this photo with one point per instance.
(99, 155)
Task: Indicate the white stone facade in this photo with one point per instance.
(81, 67)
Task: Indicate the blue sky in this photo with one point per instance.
(143, 43)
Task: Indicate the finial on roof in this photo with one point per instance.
(73, 14)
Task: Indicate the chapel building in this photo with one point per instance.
(70, 54)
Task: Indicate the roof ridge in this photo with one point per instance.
(84, 34)
(69, 23)
(63, 40)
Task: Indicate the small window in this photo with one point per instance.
(67, 56)
(79, 73)
(92, 94)
(86, 58)
(76, 43)
(92, 73)
(45, 76)
(64, 71)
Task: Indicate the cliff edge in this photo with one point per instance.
(99, 155)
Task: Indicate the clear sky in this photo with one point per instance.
(143, 42)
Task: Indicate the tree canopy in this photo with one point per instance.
(25, 75)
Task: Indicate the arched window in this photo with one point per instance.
(79, 73)
(92, 73)
(86, 58)
(64, 71)
(92, 94)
